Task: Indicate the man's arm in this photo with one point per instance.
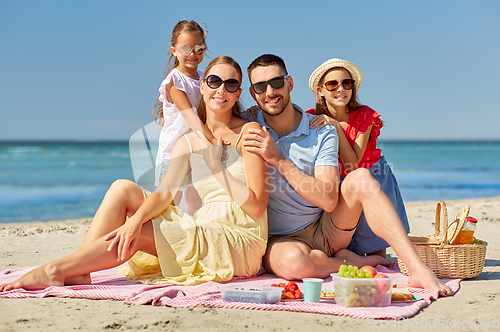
(320, 190)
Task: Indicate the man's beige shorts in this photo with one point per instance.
(320, 235)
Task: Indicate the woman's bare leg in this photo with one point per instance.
(92, 257)
(123, 199)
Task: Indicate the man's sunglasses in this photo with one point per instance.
(197, 49)
(214, 82)
(333, 85)
(275, 83)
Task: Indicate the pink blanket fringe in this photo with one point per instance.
(109, 284)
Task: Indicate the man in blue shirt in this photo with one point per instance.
(311, 219)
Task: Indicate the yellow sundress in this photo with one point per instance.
(218, 242)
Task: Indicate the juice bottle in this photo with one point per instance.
(466, 234)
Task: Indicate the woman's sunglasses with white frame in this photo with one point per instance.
(185, 50)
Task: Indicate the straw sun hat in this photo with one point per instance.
(332, 63)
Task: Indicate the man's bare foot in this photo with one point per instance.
(423, 277)
(382, 253)
(353, 259)
(40, 278)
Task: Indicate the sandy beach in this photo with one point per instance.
(475, 306)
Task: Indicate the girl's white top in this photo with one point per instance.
(175, 126)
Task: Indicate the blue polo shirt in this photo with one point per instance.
(307, 148)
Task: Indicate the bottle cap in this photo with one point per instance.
(472, 220)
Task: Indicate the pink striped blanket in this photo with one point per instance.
(109, 284)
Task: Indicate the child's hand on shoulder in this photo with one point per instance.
(252, 111)
(321, 121)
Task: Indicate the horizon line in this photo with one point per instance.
(121, 141)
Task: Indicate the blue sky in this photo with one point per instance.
(90, 70)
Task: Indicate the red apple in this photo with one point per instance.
(369, 269)
(382, 285)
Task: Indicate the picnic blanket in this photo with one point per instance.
(110, 284)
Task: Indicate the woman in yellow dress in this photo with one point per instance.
(226, 237)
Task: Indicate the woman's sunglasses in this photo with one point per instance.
(197, 49)
(275, 83)
(214, 82)
(333, 85)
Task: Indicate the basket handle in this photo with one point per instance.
(441, 215)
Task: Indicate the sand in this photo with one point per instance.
(476, 305)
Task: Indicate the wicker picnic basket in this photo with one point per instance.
(445, 259)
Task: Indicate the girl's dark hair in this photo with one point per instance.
(220, 60)
(322, 108)
(182, 26)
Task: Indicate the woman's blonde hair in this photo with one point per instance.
(187, 26)
(220, 60)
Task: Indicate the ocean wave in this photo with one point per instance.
(53, 203)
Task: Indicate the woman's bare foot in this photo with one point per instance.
(353, 259)
(78, 280)
(423, 277)
(40, 278)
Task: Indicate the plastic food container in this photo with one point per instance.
(362, 292)
(251, 294)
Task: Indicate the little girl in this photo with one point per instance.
(335, 84)
(177, 104)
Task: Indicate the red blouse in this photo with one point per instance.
(359, 121)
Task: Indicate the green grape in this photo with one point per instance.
(368, 274)
(365, 302)
(341, 274)
(360, 274)
(343, 268)
(353, 274)
(350, 268)
(355, 268)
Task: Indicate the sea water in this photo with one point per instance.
(56, 181)
(445, 170)
(42, 181)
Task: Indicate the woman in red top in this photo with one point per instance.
(335, 84)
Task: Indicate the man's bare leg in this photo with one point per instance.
(382, 253)
(359, 190)
(295, 260)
